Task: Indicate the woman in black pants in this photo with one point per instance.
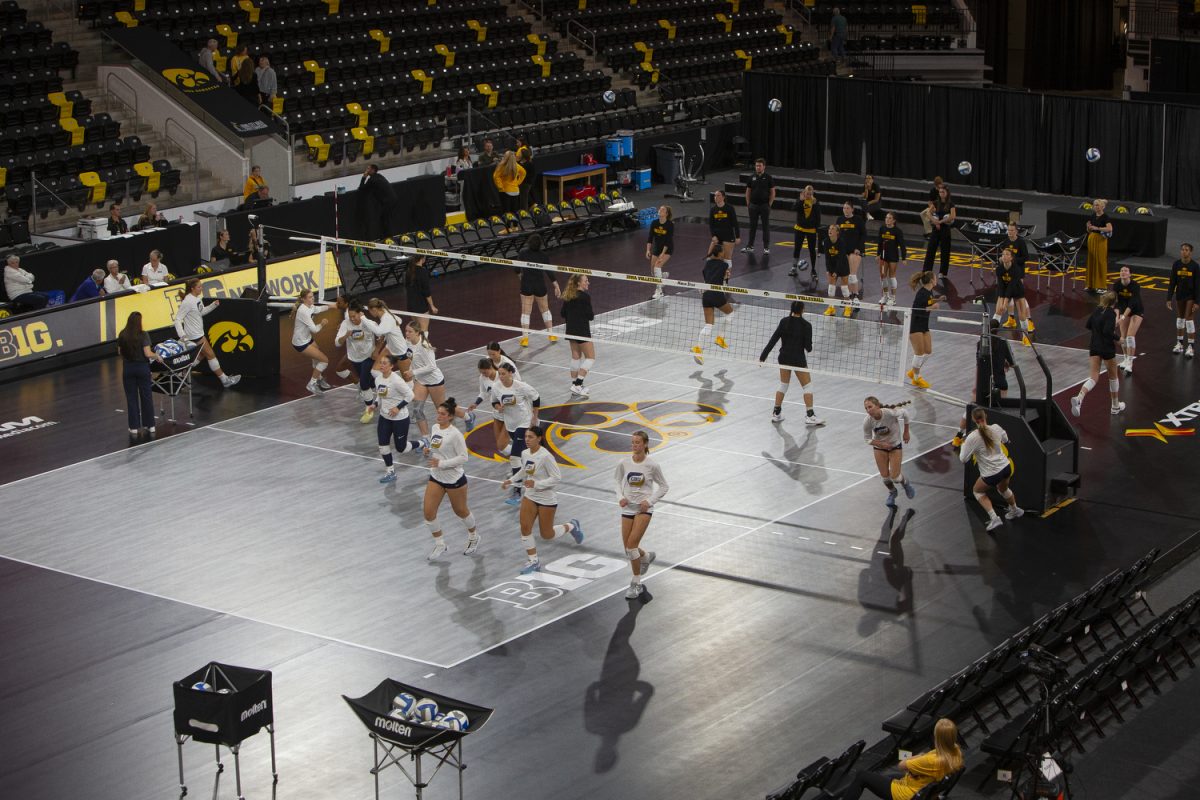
(133, 343)
(915, 773)
(941, 217)
(808, 222)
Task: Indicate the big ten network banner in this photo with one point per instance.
(78, 326)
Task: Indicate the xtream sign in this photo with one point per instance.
(567, 574)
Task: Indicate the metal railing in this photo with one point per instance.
(109, 94)
(291, 146)
(539, 9)
(1157, 19)
(182, 149)
(801, 10)
(584, 36)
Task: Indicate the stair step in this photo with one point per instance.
(1060, 483)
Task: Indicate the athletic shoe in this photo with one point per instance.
(766, 251)
(524, 341)
(891, 300)
(911, 375)
(920, 383)
(1128, 367)
(312, 386)
(323, 384)
(883, 301)
(229, 381)
(1118, 408)
(343, 373)
(576, 531)
(776, 417)
(747, 249)
(657, 294)
(423, 442)
(531, 566)
(910, 491)
(793, 272)
(151, 433)
(721, 343)
(469, 419)
(553, 338)
(634, 591)
(993, 523)
(847, 311)
(1014, 512)
(830, 311)
(1189, 352)
(439, 547)
(1025, 341)
(388, 477)
(1011, 322)
(367, 415)
(647, 560)
(1076, 405)
(891, 498)
(1178, 348)
(1029, 326)
(697, 355)
(514, 497)
(583, 393)
(813, 421)
(472, 545)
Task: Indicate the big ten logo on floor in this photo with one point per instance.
(605, 427)
(567, 574)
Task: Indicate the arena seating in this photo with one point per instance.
(869, 43)
(867, 14)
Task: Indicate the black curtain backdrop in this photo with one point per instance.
(1182, 176)
(1174, 66)
(1069, 45)
(795, 135)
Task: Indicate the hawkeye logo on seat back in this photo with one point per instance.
(190, 80)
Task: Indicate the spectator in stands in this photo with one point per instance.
(260, 199)
(913, 773)
(150, 218)
(92, 286)
(872, 197)
(463, 161)
(934, 194)
(154, 271)
(241, 74)
(223, 252)
(133, 343)
(268, 86)
(18, 283)
(253, 183)
(1099, 229)
(116, 225)
(760, 195)
(376, 199)
(116, 281)
(489, 154)
(837, 38)
(508, 178)
(524, 151)
(208, 61)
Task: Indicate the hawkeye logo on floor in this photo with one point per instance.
(26, 425)
(1169, 426)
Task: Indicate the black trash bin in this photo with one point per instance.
(667, 163)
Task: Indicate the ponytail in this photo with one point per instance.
(979, 416)
(187, 287)
(875, 401)
(920, 278)
(300, 300)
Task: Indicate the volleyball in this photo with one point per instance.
(610, 96)
(396, 713)
(1092, 154)
(1122, 210)
(426, 710)
(450, 723)
(202, 687)
(964, 168)
(169, 348)
(774, 104)
(460, 718)
(404, 702)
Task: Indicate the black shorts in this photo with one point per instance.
(458, 484)
(660, 251)
(300, 348)
(1002, 475)
(1183, 296)
(889, 449)
(442, 382)
(535, 286)
(711, 299)
(630, 512)
(1104, 355)
(1013, 290)
(919, 325)
(840, 267)
(574, 332)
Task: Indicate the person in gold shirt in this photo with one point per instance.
(808, 222)
(1099, 229)
(508, 177)
(918, 772)
(253, 183)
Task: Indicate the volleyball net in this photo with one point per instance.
(865, 341)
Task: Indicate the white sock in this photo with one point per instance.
(525, 324)
(548, 318)
(705, 333)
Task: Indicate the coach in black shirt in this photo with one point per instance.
(760, 194)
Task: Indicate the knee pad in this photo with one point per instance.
(658, 272)
(1114, 385)
(1007, 494)
(853, 279)
(433, 525)
(213, 364)
(1191, 326)
(1088, 385)
(468, 521)
(574, 365)
(783, 388)
(527, 542)
(524, 320)
(979, 496)
(547, 317)
(586, 364)
(515, 463)
(830, 289)
(320, 366)
(633, 554)
(418, 411)
(366, 395)
(808, 387)
(385, 449)
(1179, 323)
(1131, 342)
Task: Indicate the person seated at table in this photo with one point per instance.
(154, 271)
(912, 774)
(222, 251)
(116, 225)
(92, 286)
(463, 161)
(18, 283)
(253, 183)
(150, 218)
(116, 281)
(259, 199)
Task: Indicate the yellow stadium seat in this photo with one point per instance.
(357, 111)
(384, 40)
(72, 127)
(317, 71)
(146, 170)
(66, 108)
(97, 188)
(368, 141)
(318, 150)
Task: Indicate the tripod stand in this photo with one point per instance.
(1042, 740)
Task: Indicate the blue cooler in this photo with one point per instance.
(641, 179)
(612, 150)
(626, 145)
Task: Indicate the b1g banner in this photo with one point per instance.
(57, 330)
(183, 71)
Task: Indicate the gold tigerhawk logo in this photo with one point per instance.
(230, 337)
(189, 80)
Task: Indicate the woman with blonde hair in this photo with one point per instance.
(1099, 229)
(508, 177)
(577, 312)
(918, 772)
(985, 444)
(1102, 350)
(304, 329)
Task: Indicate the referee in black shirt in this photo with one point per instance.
(760, 194)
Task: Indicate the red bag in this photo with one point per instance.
(580, 192)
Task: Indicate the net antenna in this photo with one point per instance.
(865, 342)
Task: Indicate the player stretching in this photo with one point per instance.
(640, 484)
(539, 474)
(886, 430)
(796, 334)
(1130, 313)
(716, 273)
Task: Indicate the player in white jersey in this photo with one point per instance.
(392, 396)
(303, 331)
(495, 357)
(343, 302)
(516, 403)
(389, 336)
(447, 453)
(539, 475)
(640, 484)
(189, 325)
(428, 380)
(985, 444)
(360, 353)
(886, 430)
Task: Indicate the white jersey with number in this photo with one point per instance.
(516, 403)
(991, 461)
(637, 482)
(449, 447)
(388, 329)
(359, 342)
(424, 366)
(889, 427)
(304, 328)
(542, 469)
(392, 392)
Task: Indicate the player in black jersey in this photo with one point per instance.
(854, 229)
(1009, 288)
(723, 225)
(838, 264)
(716, 272)
(892, 251)
(808, 224)
(796, 334)
(533, 287)
(942, 217)
(1012, 295)
(1182, 295)
(1102, 350)
(660, 245)
(1130, 313)
(918, 332)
